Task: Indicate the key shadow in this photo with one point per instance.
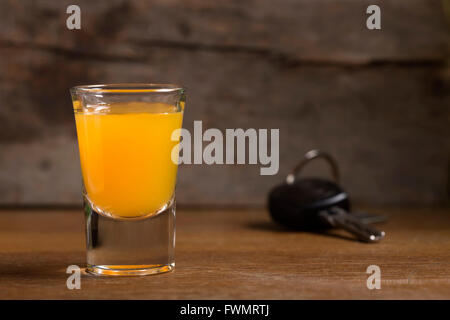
(274, 227)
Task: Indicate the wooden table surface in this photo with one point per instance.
(234, 254)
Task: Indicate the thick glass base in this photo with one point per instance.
(133, 247)
(128, 270)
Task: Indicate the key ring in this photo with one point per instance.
(309, 156)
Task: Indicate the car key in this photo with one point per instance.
(314, 204)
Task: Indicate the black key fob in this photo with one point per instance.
(295, 205)
(314, 204)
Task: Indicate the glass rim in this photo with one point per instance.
(128, 88)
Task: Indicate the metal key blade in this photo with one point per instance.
(369, 218)
(339, 218)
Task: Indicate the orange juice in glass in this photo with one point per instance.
(127, 136)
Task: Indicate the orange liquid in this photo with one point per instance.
(126, 157)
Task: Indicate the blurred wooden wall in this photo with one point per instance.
(377, 100)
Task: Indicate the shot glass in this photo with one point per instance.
(128, 142)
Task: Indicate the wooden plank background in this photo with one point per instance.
(378, 100)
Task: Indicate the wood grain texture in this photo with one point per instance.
(377, 100)
(235, 255)
(322, 30)
(387, 125)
